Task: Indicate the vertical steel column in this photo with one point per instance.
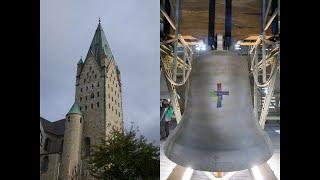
(274, 6)
(211, 23)
(228, 24)
(262, 36)
(174, 65)
(166, 24)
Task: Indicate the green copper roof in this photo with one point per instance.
(80, 61)
(75, 109)
(99, 45)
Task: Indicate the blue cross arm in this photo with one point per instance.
(219, 93)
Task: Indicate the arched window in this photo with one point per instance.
(87, 146)
(47, 144)
(61, 146)
(41, 137)
(45, 164)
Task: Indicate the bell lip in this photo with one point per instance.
(230, 168)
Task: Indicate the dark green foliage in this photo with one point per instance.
(125, 156)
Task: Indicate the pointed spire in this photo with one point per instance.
(99, 46)
(75, 109)
(80, 61)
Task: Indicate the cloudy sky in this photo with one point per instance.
(132, 30)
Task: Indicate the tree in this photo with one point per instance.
(123, 155)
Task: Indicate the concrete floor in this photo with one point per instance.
(273, 130)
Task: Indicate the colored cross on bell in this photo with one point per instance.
(219, 94)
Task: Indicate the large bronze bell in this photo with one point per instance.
(218, 131)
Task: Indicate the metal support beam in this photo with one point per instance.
(275, 27)
(262, 35)
(211, 24)
(174, 63)
(228, 24)
(274, 15)
(267, 11)
(266, 104)
(166, 24)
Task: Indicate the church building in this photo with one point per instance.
(65, 144)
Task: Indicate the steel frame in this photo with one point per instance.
(170, 62)
(260, 64)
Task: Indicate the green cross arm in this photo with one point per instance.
(212, 93)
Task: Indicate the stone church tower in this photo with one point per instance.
(98, 93)
(66, 144)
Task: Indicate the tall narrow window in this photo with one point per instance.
(80, 108)
(98, 94)
(47, 144)
(119, 114)
(112, 108)
(97, 104)
(98, 84)
(86, 98)
(90, 68)
(84, 80)
(92, 86)
(81, 89)
(61, 146)
(109, 105)
(112, 99)
(45, 164)
(80, 99)
(91, 106)
(85, 107)
(92, 95)
(41, 137)
(87, 88)
(87, 146)
(95, 76)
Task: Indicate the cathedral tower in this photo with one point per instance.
(98, 92)
(71, 154)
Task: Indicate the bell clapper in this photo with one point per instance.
(218, 174)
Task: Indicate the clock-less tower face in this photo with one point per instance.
(98, 92)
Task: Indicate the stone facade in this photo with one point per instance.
(98, 96)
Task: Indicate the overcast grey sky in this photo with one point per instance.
(132, 30)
